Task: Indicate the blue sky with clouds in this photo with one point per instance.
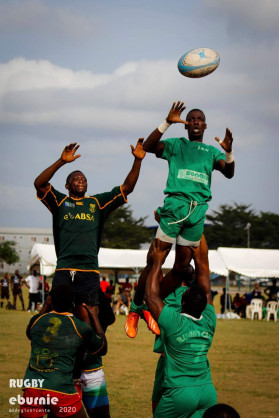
(105, 74)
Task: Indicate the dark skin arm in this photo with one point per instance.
(89, 314)
(152, 143)
(226, 168)
(68, 156)
(200, 256)
(132, 178)
(152, 288)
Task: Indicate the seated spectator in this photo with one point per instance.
(256, 293)
(221, 410)
(272, 291)
(126, 285)
(240, 305)
(124, 301)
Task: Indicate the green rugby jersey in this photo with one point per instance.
(173, 300)
(55, 341)
(186, 344)
(190, 168)
(78, 226)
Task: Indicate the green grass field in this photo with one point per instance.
(244, 361)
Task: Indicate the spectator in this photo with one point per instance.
(240, 304)
(33, 283)
(5, 284)
(104, 284)
(126, 285)
(272, 291)
(256, 293)
(16, 283)
(124, 301)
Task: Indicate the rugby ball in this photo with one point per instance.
(198, 62)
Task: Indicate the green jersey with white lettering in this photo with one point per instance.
(78, 226)
(55, 341)
(186, 343)
(190, 167)
(173, 300)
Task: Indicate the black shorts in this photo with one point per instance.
(5, 293)
(86, 285)
(17, 291)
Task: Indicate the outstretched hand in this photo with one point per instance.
(175, 113)
(226, 144)
(68, 154)
(138, 152)
(158, 254)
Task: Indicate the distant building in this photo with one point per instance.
(25, 238)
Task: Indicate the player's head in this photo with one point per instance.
(193, 301)
(187, 275)
(76, 183)
(62, 298)
(221, 410)
(196, 125)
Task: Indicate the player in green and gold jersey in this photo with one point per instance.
(78, 222)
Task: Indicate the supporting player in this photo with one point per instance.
(188, 388)
(56, 337)
(182, 216)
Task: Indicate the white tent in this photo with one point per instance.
(251, 262)
(247, 262)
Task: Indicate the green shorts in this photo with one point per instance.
(184, 402)
(159, 379)
(179, 218)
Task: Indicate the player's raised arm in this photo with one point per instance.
(152, 143)
(152, 288)
(68, 155)
(226, 167)
(132, 178)
(200, 256)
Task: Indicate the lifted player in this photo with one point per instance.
(182, 216)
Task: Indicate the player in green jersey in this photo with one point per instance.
(187, 337)
(56, 337)
(182, 216)
(78, 222)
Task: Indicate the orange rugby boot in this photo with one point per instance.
(131, 326)
(152, 324)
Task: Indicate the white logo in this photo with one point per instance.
(191, 175)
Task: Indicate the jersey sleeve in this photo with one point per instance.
(217, 155)
(210, 316)
(169, 320)
(109, 201)
(52, 199)
(168, 148)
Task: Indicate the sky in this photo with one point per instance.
(105, 73)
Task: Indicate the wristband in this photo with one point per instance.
(229, 157)
(163, 127)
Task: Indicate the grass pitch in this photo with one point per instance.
(244, 360)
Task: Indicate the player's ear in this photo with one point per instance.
(67, 186)
(205, 125)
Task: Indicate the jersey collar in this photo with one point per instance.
(192, 317)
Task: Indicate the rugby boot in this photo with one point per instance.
(131, 326)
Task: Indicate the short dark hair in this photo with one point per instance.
(62, 298)
(194, 301)
(69, 176)
(195, 110)
(221, 410)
